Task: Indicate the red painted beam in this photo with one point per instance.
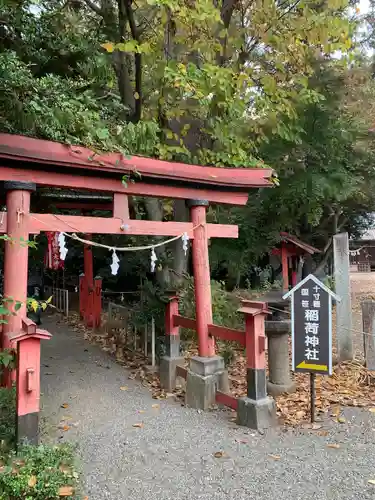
(104, 225)
(115, 186)
(290, 249)
(227, 400)
(184, 322)
(27, 149)
(230, 334)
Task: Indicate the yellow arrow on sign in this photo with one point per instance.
(309, 366)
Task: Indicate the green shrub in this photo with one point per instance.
(7, 417)
(35, 472)
(38, 472)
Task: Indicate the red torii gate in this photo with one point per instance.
(27, 163)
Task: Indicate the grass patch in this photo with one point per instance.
(39, 472)
(34, 472)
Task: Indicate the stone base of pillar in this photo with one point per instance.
(258, 415)
(223, 382)
(28, 429)
(167, 371)
(205, 376)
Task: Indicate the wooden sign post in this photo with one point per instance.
(311, 308)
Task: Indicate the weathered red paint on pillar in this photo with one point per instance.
(98, 282)
(89, 278)
(285, 268)
(82, 295)
(16, 258)
(172, 332)
(294, 278)
(255, 341)
(121, 206)
(170, 311)
(202, 278)
(28, 380)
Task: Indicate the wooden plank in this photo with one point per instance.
(95, 183)
(181, 372)
(227, 400)
(224, 333)
(104, 225)
(184, 322)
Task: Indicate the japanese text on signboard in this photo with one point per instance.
(311, 328)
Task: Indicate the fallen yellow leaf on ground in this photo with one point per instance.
(219, 454)
(124, 388)
(371, 481)
(64, 405)
(341, 420)
(372, 410)
(32, 481)
(65, 469)
(140, 424)
(156, 406)
(275, 457)
(333, 445)
(66, 491)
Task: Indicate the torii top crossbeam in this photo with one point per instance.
(54, 164)
(48, 163)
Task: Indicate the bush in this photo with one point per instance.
(7, 417)
(38, 472)
(34, 472)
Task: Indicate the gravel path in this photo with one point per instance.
(172, 455)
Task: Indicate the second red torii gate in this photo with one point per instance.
(290, 250)
(27, 163)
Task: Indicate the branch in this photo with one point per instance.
(94, 7)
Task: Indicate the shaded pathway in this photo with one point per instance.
(171, 456)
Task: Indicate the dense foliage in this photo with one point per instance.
(226, 83)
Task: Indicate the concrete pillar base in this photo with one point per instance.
(256, 415)
(28, 429)
(280, 379)
(278, 389)
(204, 377)
(167, 370)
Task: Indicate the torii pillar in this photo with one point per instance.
(18, 194)
(206, 371)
